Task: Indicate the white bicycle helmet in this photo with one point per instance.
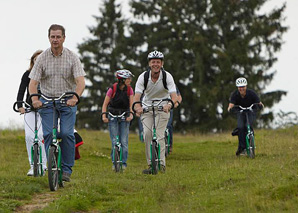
(120, 74)
(155, 55)
(241, 82)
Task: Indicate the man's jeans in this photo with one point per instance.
(67, 117)
(141, 130)
(241, 125)
(170, 127)
(120, 128)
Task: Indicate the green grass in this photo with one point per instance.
(203, 175)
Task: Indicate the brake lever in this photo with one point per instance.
(145, 109)
(160, 108)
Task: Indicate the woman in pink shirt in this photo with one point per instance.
(119, 99)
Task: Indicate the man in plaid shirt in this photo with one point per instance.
(58, 70)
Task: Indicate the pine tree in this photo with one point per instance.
(101, 55)
(207, 46)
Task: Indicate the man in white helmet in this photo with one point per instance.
(159, 85)
(243, 97)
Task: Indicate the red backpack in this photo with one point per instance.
(114, 88)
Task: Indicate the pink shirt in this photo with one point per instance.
(110, 92)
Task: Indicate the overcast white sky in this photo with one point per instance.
(24, 25)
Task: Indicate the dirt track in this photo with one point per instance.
(38, 202)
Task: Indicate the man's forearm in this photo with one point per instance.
(33, 88)
(174, 99)
(80, 85)
(136, 97)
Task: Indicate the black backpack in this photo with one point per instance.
(164, 78)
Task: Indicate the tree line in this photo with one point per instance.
(207, 45)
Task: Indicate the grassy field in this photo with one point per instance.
(203, 175)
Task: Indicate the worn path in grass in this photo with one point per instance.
(38, 202)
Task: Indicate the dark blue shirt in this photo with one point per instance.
(250, 98)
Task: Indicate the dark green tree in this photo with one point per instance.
(207, 46)
(102, 55)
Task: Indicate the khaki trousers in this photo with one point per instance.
(161, 121)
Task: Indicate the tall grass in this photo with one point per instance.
(203, 174)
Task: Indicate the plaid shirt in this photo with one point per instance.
(57, 74)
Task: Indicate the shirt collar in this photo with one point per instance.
(58, 55)
(159, 77)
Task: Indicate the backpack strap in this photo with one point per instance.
(114, 88)
(146, 79)
(164, 78)
(128, 91)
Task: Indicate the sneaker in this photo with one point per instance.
(148, 171)
(44, 170)
(30, 172)
(241, 152)
(238, 152)
(162, 168)
(123, 167)
(66, 177)
(235, 132)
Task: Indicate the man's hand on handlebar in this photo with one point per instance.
(139, 110)
(36, 104)
(72, 101)
(167, 107)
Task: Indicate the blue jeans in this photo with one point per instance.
(241, 125)
(120, 128)
(170, 127)
(67, 117)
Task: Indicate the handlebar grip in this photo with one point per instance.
(133, 105)
(170, 100)
(133, 114)
(27, 106)
(259, 106)
(14, 105)
(103, 114)
(75, 94)
(32, 95)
